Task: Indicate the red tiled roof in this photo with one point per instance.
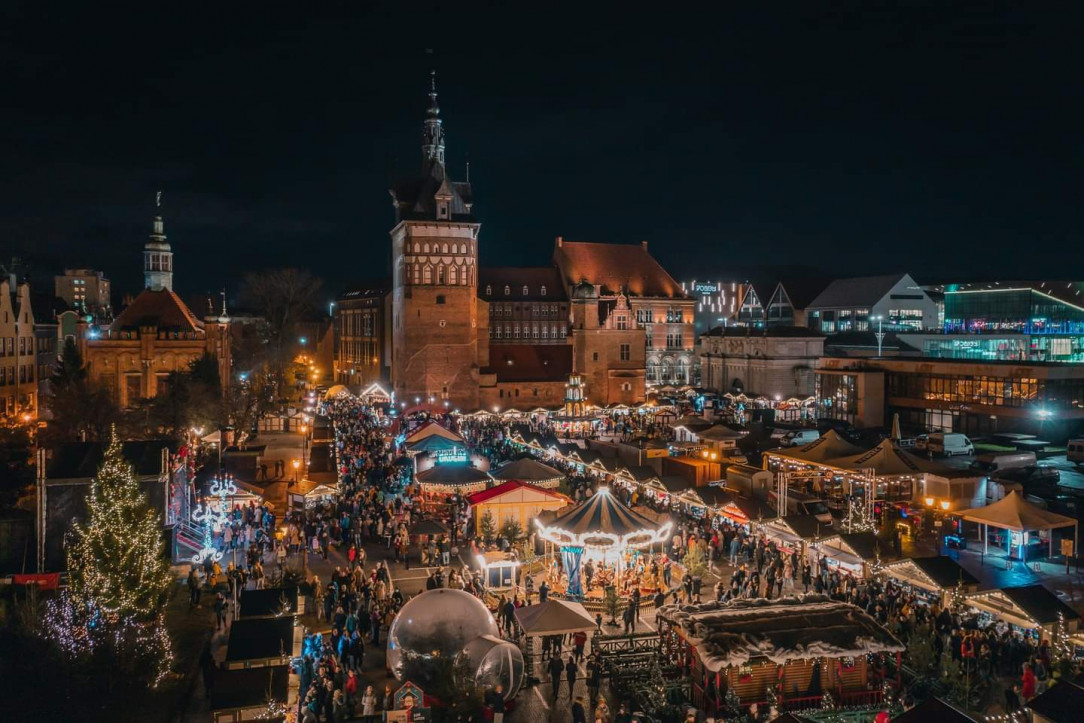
(515, 278)
(510, 485)
(162, 309)
(615, 267)
(530, 362)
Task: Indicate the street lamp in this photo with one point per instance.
(880, 334)
(297, 466)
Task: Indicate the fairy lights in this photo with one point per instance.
(118, 579)
(213, 517)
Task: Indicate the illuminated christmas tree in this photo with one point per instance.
(119, 580)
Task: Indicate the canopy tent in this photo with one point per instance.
(888, 460)
(603, 525)
(530, 470)
(828, 446)
(1016, 514)
(438, 446)
(335, 391)
(554, 617)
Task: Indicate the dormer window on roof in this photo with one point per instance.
(525, 292)
(489, 290)
(542, 291)
(507, 290)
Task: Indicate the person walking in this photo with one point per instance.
(556, 667)
(579, 714)
(220, 611)
(570, 674)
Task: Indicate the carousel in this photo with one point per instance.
(601, 543)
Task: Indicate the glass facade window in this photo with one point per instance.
(837, 396)
(905, 318)
(1027, 311)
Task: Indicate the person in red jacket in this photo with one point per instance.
(1027, 683)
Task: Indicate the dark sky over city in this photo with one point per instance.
(855, 137)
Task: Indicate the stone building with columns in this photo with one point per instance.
(154, 335)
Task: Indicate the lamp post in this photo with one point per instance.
(297, 466)
(879, 333)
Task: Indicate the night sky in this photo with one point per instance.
(868, 137)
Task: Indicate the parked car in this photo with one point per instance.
(949, 444)
(798, 437)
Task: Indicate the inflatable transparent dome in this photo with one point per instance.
(496, 661)
(432, 628)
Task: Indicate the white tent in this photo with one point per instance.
(554, 617)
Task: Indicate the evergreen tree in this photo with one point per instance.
(119, 580)
(80, 409)
(694, 563)
(488, 527)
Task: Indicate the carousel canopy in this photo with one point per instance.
(453, 474)
(603, 522)
(1013, 512)
(792, 628)
(554, 617)
(827, 447)
(602, 513)
(887, 460)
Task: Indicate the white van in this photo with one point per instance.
(798, 437)
(1001, 461)
(949, 444)
(799, 503)
(1075, 452)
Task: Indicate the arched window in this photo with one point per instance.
(444, 249)
(440, 274)
(545, 331)
(507, 290)
(417, 247)
(542, 290)
(453, 279)
(525, 292)
(427, 248)
(417, 273)
(455, 248)
(427, 274)
(489, 290)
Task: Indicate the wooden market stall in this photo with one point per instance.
(800, 646)
(514, 500)
(935, 578)
(1031, 608)
(531, 471)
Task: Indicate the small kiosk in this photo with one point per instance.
(932, 578)
(1032, 609)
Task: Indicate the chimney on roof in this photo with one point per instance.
(560, 241)
(643, 244)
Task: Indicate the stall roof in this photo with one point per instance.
(247, 687)
(864, 544)
(808, 527)
(429, 429)
(1039, 603)
(1063, 702)
(259, 603)
(792, 628)
(434, 443)
(887, 460)
(528, 469)
(641, 473)
(720, 433)
(942, 572)
(675, 483)
(257, 638)
(828, 446)
(554, 617)
(452, 474)
(1013, 512)
(511, 486)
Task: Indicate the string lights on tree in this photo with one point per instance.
(119, 581)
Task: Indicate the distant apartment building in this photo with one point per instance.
(18, 354)
(893, 302)
(85, 290)
(361, 335)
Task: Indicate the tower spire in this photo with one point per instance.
(157, 254)
(432, 130)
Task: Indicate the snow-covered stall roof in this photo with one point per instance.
(791, 628)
